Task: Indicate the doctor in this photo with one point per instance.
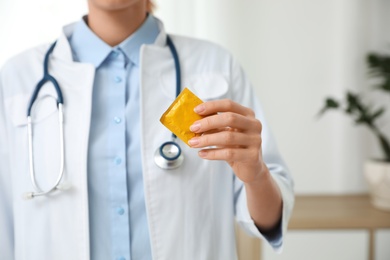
(117, 77)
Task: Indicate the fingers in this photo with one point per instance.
(225, 105)
(226, 139)
(231, 128)
(228, 119)
(231, 154)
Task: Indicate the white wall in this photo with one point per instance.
(25, 23)
(382, 249)
(296, 53)
(323, 245)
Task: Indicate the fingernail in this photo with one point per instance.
(194, 141)
(195, 127)
(202, 153)
(199, 109)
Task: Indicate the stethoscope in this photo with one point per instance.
(168, 156)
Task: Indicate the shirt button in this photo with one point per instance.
(117, 160)
(118, 79)
(121, 258)
(117, 120)
(115, 54)
(120, 211)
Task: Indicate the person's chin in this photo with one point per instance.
(115, 5)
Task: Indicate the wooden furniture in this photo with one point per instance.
(339, 212)
(326, 213)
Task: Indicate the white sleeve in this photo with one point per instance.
(6, 212)
(242, 92)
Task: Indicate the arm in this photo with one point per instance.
(6, 216)
(237, 134)
(263, 185)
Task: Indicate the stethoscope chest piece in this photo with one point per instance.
(168, 156)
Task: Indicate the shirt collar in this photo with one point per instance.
(88, 47)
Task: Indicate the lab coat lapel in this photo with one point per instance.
(155, 59)
(161, 187)
(76, 81)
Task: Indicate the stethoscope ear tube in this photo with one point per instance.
(57, 185)
(46, 78)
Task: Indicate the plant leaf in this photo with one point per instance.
(377, 114)
(379, 67)
(330, 103)
(385, 86)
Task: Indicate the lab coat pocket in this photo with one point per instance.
(206, 86)
(209, 86)
(16, 108)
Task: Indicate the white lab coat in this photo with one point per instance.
(190, 210)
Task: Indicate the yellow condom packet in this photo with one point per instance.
(180, 115)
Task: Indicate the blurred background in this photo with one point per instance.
(296, 52)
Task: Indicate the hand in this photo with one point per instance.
(236, 134)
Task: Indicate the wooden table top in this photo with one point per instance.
(337, 212)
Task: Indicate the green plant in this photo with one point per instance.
(361, 113)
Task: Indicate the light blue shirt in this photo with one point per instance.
(117, 213)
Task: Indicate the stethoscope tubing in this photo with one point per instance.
(162, 160)
(177, 70)
(170, 162)
(46, 78)
(37, 188)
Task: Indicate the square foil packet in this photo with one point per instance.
(180, 115)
